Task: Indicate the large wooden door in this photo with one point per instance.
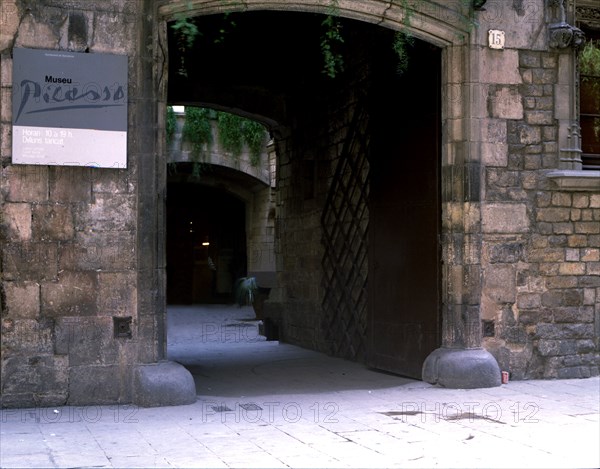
(404, 227)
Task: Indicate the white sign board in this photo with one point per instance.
(69, 108)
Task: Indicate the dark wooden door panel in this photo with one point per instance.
(404, 208)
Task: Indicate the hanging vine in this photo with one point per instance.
(171, 124)
(197, 128)
(233, 132)
(332, 39)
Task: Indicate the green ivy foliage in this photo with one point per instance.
(589, 59)
(331, 40)
(331, 37)
(171, 123)
(197, 128)
(233, 132)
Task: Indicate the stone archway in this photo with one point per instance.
(445, 26)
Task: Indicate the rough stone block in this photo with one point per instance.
(87, 341)
(26, 183)
(504, 102)
(529, 300)
(113, 251)
(577, 240)
(38, 377)
(70, 184)
(74, 294)
(567, 297)
(504, 218)
(17, 219)
(562, 229)
(561, 282)
(561, 199)
(22, 299)
(117, 294)
(539, 117)
(573, 314)
(544, 76)
(572, 268)
(108, 212)
(565, 331)
(534, 316)
(553, 214)
(97, 385)
(587, 227)
(593, 268)
(573, 372)
(52, 223)
(30, 261)
(505, 252)
(529, 59)
(27, 336)
(499, 283)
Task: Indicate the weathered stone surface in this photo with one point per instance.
(52, 223)
(506, 252)
(117, 295)
(17, 219)
(99, 384)
(27, 336)
(107, 212)
(26, 183)
(87, 341)
(73, 294)
(163, 383)
(565, 347)
(504, 218)
(462, 368)
(34, 380)
(70, 184)
(105, 250)
(565, 331)
(22, 299)
(18, 264)
(516, 248)
(566, 297)
(505, 103)
(499, 283)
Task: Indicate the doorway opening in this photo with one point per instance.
(393, 173)
(206, 244)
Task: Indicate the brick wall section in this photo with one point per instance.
(541, 282)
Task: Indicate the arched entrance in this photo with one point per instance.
(289, 115)
(206, 243)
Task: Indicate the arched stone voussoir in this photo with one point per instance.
(441, 22)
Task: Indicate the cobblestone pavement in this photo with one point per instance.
(266, 404)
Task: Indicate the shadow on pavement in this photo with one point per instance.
(223, 350)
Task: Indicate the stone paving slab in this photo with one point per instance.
(266, 404)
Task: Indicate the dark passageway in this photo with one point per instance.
(358, 176)
(206, 244)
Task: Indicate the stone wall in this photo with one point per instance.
(70, 235)
(83, 248)
(540, 302)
